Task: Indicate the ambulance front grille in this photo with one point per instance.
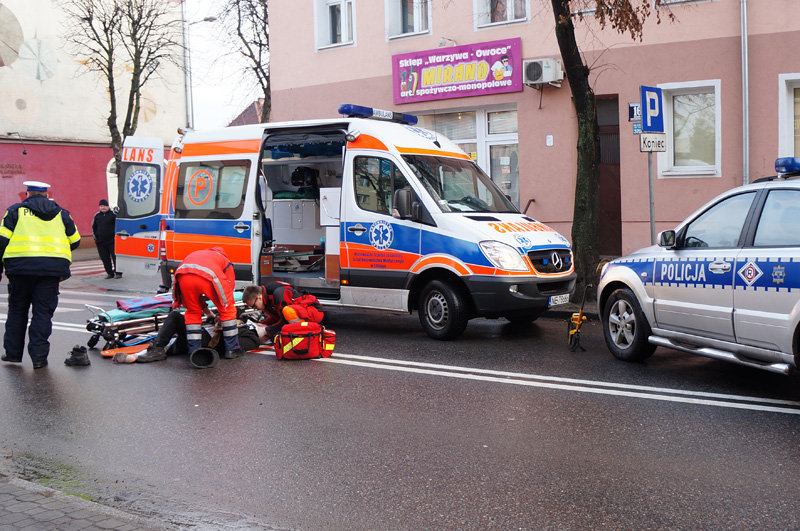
(544, 261)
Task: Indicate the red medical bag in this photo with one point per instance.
(298, 341)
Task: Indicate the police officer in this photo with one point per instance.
(37, 238)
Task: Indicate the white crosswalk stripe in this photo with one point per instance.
(87, 267)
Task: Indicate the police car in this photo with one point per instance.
(724, 284)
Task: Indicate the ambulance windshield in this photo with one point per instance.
(458, 185)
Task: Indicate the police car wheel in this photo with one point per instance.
(625, 327)
(442, 310)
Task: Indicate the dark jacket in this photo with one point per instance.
(103, 227)
(45, 209)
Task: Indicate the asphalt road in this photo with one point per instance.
(503, 428)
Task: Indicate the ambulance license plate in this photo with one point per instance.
(556, 300)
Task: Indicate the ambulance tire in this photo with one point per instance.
(626, 328)
(443, 310)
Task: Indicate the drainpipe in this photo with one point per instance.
(745, 99)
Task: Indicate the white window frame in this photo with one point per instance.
(786, 85)
(665, 165)
(482, 14)
(322, 23)
(394, 19)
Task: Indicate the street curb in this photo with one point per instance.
(138, 521)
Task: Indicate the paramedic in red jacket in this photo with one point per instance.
(207, 273)
(273, 297)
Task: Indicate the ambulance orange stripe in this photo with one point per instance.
(137, 247)
(367, 142)
(229, 147)
(441, 261)
(418, 151)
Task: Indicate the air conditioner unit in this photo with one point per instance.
(540, 71)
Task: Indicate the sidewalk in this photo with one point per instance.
(25, 505)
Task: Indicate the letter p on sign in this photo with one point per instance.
(652, 110)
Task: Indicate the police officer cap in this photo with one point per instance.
(36, 186)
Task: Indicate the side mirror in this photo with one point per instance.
(402, 203)
(666, 238)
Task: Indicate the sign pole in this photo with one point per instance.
(652, 200)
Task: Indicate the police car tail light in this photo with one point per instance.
(503, 256)
(359, 111)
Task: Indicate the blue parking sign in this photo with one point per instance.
(652, 110)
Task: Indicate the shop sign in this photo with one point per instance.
(458, 71)
(11, 169)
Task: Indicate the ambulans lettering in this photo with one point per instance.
(520, 227)
(683, 272)
(137, 155)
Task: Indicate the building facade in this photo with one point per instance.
(53, 112)
(729, 81)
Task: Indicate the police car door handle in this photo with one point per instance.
(719, 267)
(357, 229)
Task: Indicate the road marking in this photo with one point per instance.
(752, 403)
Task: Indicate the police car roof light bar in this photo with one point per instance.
(787, 165)
(359, 111)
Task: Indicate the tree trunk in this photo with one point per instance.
(585, 214)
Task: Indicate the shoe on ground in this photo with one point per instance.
(117, 275)
(5, 357)
(109, 276)
(78, 357)
(121, 357)
(152, 354)
(230, 355)
(39, 364)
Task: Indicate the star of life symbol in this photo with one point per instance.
(778, 274)
(139, 186)
(381, 235)
(750, 273)
(523, 241)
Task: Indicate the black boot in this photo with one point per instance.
(232, 354)
(152, 354)
(78, 357)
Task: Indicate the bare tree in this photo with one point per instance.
(624, 16)
(111, 35)
(249, 20)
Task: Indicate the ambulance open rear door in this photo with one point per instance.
(140, 188)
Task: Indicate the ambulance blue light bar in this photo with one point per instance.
(359, 111)
(787, 165)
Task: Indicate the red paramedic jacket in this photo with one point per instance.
(212, 264)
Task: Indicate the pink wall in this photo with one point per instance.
(703, 45)
(77, 175)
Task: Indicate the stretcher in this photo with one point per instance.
(120, 328)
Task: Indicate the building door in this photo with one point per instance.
(610, 209)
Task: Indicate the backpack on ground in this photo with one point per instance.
(303, 340)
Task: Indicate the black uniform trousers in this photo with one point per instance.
(106, 252)
(25, 291)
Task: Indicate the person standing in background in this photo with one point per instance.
(103, 234)
(37, 238)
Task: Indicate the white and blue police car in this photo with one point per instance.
(724, 284)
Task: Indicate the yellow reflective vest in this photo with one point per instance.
(34, 237)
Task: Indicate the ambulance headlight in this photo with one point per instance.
(503, 256)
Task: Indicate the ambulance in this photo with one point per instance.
(366, 211)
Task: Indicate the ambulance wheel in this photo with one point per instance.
(442, 310)
(626, 328)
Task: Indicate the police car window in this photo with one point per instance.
(212, 189)
(138, 195)
(376, 179)
(780, 220)
(720, 225)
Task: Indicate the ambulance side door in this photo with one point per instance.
(377, 248)
(214, 208)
